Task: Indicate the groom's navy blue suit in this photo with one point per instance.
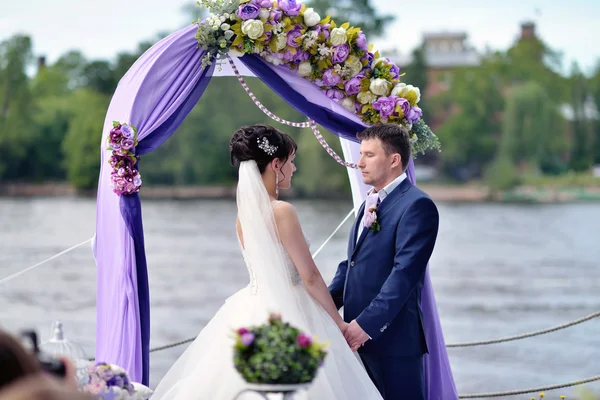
(380, 285)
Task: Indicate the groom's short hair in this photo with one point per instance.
(395, 139)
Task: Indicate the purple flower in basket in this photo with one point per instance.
(248, 11)
(248, 338)
(127, 131)
(330, 78)
(353, 85)
(290, 7)
(340, 53)
(304, 340)
(293, 35)
(386, 106)
(361, 42)
(334, 94)
(404, 105)
(413, 115)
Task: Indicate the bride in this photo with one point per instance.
(283, 279)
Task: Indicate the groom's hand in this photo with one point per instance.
(355, 336)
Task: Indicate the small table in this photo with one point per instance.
(288, 391)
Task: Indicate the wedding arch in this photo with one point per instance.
(327, 72)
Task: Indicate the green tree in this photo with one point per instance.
(16, 121)
(81, 145)
(533, 133)
(582, 154)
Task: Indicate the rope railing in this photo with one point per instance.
(17, 274)
(530, 390)
(526, 335)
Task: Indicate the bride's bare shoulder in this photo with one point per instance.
(284, 212)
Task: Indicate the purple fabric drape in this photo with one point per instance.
(156, 95)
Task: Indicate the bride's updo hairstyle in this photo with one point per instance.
(261, 143)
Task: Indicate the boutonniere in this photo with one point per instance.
(371, 220)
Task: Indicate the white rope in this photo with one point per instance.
(17, 274)
(334, 232)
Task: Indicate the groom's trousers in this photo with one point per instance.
(397, 378)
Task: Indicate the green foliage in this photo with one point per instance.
(276, 353)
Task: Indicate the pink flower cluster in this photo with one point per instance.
(125, 177)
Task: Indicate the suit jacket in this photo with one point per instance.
(380, 282)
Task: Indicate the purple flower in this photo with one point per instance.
(242, 331)
(385, 106)
(127, 144)
(262, 3)
(248, 11)
(115, 136)
(330, 78)
(334, 94)
(340, 53)
(361, 42)
(116, 146)
(370, 218)
(247, 338)
(369, 57)
(300, 56)
(293, 35)
(304, 340)
(276, 14)
(413, 115)
(290, 7)
(127, 131)
(322, 29)
(288, 56)
(353, 85)
(137, 180)
(394, 70)
(404, 105)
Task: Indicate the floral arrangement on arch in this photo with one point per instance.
(336, 58)
(110, 382)
(125, 178)
(277, 353)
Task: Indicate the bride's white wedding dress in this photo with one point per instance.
(205, 371)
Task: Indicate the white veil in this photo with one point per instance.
(264, 252)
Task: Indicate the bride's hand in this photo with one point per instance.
(343, 326)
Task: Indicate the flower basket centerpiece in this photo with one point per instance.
(111, 382)
(277, 355)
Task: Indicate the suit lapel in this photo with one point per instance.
(356, 227)
(384, 206)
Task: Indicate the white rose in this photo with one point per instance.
(225, 26)
(380, 62)
(398, 89)
(234, 53)
(417, 91)
(380, 87)
(305, 69)
(311, 18)
(264, 14)
(253, 28)
(281, 42)
(354, 65)
(348, 104)
(222, 18)
(228, 34)
(338, 36)
(273, 60)
(366, 97)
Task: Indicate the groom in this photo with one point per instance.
(380, 283)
